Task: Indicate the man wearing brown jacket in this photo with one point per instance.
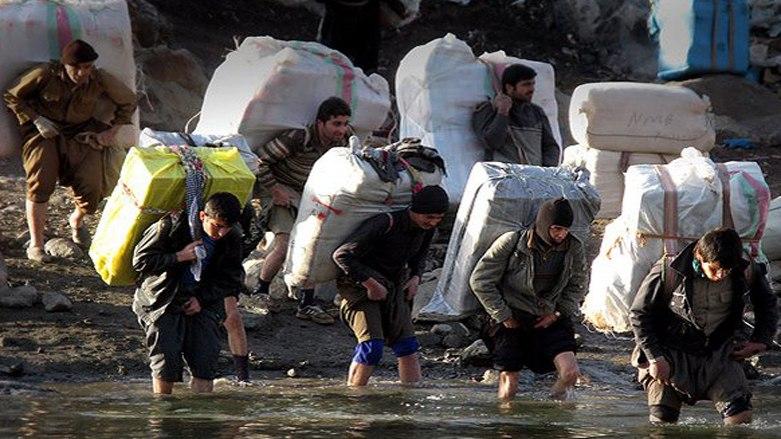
(530, 282)
(55, 105)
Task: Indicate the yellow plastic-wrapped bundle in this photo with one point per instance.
(150, 185)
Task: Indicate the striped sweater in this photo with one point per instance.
(288, 158)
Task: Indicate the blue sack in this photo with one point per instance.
(700, 36)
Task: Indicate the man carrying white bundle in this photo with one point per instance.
(512, 128)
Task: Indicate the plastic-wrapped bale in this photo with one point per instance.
(150, 137)
(438, 86)
(665, 208)
(700, 36)
(635, 117)
(607, 170)
(34, 32)
(150, 185)
(269, 85)
(771, 240)
(500, 197)
(342, 191)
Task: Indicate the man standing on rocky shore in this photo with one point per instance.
(55, 105)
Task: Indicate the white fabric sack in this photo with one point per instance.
(633, 242)
(268, 85)
(607, 172)
(438, 86)
(651, 118)
(32, 33)
(771, 240)
(150, 137)
(500, 197)
(342, 191)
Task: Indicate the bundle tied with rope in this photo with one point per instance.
(158, 181)
(672, 205)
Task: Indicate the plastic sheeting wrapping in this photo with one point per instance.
(666, 207)
(635, 117)
(342, 191)
(34, 32)
(438, 86)
(150, 137)
(268, 85)
(607, 172)
(500, 197)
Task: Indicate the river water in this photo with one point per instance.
(326, 408)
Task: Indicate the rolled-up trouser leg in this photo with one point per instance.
(41, 162)
(83, 172)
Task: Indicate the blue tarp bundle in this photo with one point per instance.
(700, 36)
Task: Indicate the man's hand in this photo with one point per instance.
(411, 287)
(280, 195)
(543, 322)
(747, 349)
(374, 289)
(660, 370)
(191, 307)
(46, 127)
(511, 323)
(107, 137)
(188, 253)
(503, 103)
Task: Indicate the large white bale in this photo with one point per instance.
(650, 118)
(34, 32)
(268, 85)
(150, 137)
(498, 198)
(438, 86)
(665, 208)
(607, 170)
(342, 191)
(771, 240)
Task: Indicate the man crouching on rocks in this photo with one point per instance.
(685, 317)
(382, 260)
(181, 315)
(530, 283)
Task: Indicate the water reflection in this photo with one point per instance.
(314, 408)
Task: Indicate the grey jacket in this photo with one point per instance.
(524, 136)
(502, 279)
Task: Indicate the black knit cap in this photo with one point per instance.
(555, 212)
(430, 199)
(77, 52)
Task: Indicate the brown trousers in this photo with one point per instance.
(75, 165)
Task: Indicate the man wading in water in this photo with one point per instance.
(530, 283)
(382, 260)
(181, 315)
(685, 318)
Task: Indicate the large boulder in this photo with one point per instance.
(171, 87)
(617, 29)
(150, 27)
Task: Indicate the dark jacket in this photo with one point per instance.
(662, 317)
(160, 283)
(524, 136)
(503, 279)
(388, 243)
